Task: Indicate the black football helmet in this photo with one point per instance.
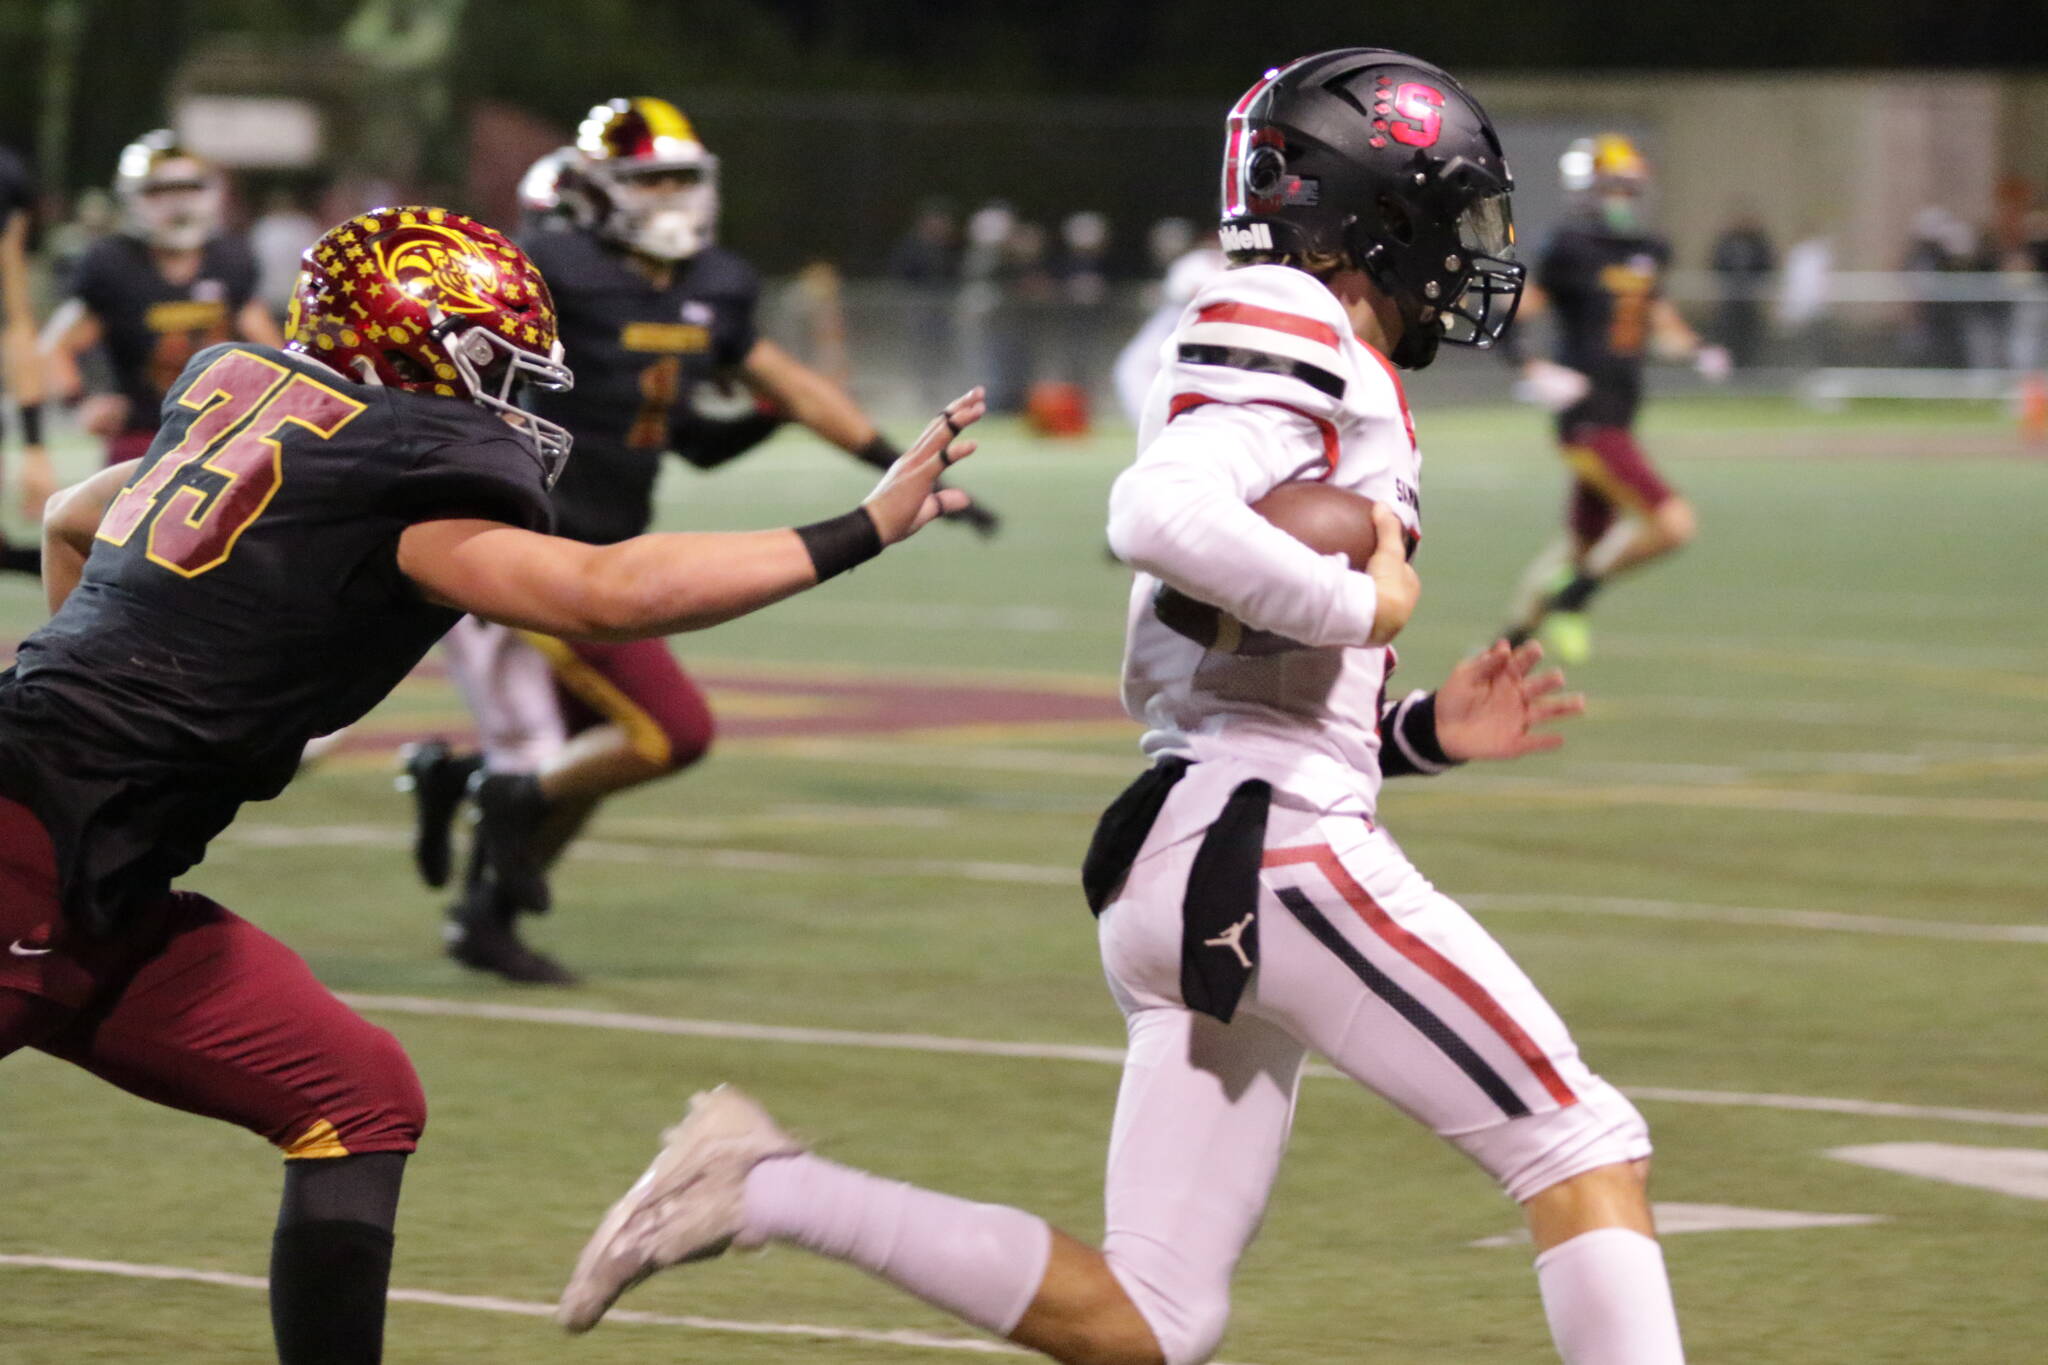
(1385, 161)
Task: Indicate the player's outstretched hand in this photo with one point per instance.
(1491, 704)
(905, 498)
(1393, 576)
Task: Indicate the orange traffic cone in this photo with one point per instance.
(2034, 408)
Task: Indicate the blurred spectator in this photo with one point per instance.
(278, 237)
(928, 253)
(926, 262)
(1803, 296)
(1941, 243)
(1078, 355)
(1025, 294)
(2009, 334)
(1168, 240)
(1083, 267)
(1742, 262)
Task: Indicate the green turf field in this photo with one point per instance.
(1797, 848)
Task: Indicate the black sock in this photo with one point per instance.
(330, 1262)
(328, 1279)
(1574, 595)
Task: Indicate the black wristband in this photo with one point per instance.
(880, 452)
(31, 424)
(1411, 726)
(841, 543)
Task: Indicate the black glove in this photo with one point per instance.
(984, 521)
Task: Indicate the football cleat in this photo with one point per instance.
(437, 777)
(687, 1206)
(509, 812)
(479, 933)
(1567, 636)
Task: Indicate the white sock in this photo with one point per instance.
(980, 1262)
(1608, 1300)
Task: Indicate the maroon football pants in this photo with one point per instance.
(194, 1007)
(638, 686)
(1613, 477)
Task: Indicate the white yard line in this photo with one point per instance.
(1888, 926)
(1111, 1056)
(484, 1303)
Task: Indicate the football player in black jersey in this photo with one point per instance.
(304, 526)
(19, 362)
(166, 286)
(654, 317)
(1601, 276)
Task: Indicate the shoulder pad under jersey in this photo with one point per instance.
(1264, 334)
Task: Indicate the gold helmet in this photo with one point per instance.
(643, 178)
(1604, 161)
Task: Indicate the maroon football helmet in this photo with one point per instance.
(431, 301)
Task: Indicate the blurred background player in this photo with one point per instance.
(169, 284)
(20, 365)
(659, 324)
(1601, 277)
(1185, 264)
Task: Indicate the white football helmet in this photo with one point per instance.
(643, 179)
(172, 198)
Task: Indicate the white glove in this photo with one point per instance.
(1713, 363)
(1550, 385)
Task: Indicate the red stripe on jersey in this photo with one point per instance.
(1332, 447)
(1251, 315)
(1448, 973)
(1400, 394)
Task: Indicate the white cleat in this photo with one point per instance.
(687, 1206)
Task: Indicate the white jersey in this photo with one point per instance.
(1264, 384)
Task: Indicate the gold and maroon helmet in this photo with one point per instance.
(1604, 161)
(643, 178)
(1609, 177)
(171, 196)
(431, 301)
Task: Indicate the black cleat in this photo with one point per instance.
(480, 934)
(509, 811)
(437, 778)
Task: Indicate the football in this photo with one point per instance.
(1327, 520)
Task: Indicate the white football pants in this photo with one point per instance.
(1361, 959)
(510, 689)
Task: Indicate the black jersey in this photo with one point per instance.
(243, 596)
(1602, 285)
(638, 351)
(151, 327)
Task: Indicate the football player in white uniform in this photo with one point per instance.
(1251, 906)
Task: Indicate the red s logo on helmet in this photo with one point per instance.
(1419, 105)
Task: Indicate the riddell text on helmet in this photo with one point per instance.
(1246, 237)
